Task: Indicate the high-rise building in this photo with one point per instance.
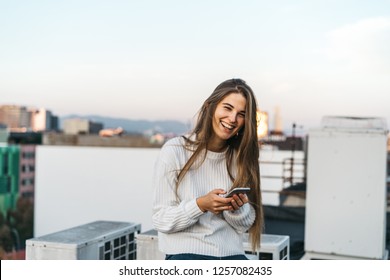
(9, 177)
(54, 123)
(43, 120)
(15, 117)
(40, 119)
(23, 119)
(278, 126)
(27, 171)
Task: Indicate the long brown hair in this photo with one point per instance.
(242, 148)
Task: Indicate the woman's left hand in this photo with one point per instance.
(239, 200)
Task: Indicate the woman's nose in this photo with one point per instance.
(233, 117)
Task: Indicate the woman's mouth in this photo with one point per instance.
(228, 126)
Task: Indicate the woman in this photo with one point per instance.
(192, 173)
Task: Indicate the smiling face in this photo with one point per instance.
(228, 119)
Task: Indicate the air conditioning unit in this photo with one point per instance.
(147, 246)
(99, 240)
(273, 247)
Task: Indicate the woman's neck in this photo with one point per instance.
(216, 145)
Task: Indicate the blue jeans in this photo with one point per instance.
(203, 257)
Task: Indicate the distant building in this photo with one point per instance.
(22, 119)
(92, 140)
(95, 127)
(262, 124)
(25, 138)
(81, 126)
(55, 124)
(15, 117)
(157, 139)
(43, 120)
(4, 134)
(108, 132)
(388, 142)
(278, 126)
(284, 143)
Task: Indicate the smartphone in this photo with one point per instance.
(237, 191)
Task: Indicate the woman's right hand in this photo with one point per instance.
(213, 202)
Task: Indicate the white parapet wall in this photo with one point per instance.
(77, 185)
(346, 189)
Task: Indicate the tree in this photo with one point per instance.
(6, 242)
(21, 221)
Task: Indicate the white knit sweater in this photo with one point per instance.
(182, 226)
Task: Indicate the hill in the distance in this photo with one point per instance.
(135, 126)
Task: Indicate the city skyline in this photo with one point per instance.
(159, 60)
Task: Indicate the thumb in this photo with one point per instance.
(218, 191)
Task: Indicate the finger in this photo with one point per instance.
(244, 198)
(226, 207)
(238, 200)
(223, 200)
(218, 191)
(220, 209)
(235, 205)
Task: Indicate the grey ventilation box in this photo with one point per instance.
(99, 240)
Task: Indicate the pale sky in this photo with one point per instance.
(156, 60)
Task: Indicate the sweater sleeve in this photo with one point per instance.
(169, 213)
(241, 219)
